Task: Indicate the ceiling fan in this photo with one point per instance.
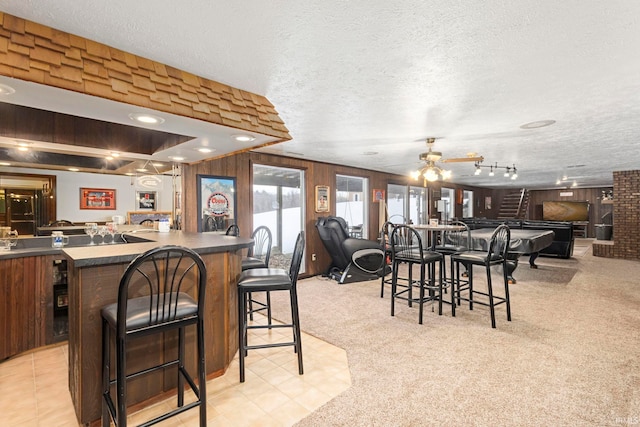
(434, 156)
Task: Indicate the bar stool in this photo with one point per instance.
(496, 254)
(232, 230)
(453, 242)
(155, 296)
(406, 248)
(385, 236)
(271, 280)
(258, 257)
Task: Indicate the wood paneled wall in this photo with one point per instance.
(240, 166)
(592, 195)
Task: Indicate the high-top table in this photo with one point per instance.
(435, 229)
(93, 277)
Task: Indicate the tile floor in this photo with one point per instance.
(34, 392)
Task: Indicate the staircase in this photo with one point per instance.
(515, 205)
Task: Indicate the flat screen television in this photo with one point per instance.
(565, 211)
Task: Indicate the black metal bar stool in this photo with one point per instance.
(453, 242)
(496, 254)
(258, 257)
(270, 280)
(406, 248)
(155, 296)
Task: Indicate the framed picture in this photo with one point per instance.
(378, 195)
(97, 198)
(147, 200)
(216, 202)
(487, 202)
(322, 198)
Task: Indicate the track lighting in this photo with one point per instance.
(510, 171)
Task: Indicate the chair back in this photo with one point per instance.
(333, 234)
(499, 244)
(385, 235)
(296, 259)
(159, 279)
(406, 243)
(233, 230)
(457, 238)
(262, 242)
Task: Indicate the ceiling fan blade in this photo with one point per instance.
(463, 159)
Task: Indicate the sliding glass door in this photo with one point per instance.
(278, 203)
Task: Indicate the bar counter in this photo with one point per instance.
(93, 277)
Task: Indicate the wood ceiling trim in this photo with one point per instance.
(40, 54)
(18, 122)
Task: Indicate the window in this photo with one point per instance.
(446, 205)
(351, 203)
(278, 197)
(467, 204)
(396, 203)
(418, 205)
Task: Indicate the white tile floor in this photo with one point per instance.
(34, 391)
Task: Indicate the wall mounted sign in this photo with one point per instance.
(322, 198)
(149, 181)
(97, 198)
(378, 195)
(147, 200)
(216, 202)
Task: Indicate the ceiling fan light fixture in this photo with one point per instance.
(430, 175)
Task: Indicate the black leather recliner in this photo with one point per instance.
(353, 260)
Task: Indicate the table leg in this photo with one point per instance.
(532, 260)
(511, 265)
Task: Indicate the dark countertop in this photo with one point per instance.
(140, 240)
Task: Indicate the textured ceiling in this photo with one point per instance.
(354, 78)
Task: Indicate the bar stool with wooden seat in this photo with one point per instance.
(258, 256)
(270, 280)
(495, 255)
(406, 248)
(161, 290)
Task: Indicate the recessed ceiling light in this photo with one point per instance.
(146, 118)
(158, 165)
(115, 154)
(537, 124)
(176, 158)
(243, 138)
(141, 170)
(109, 157)
(6, 90)
(21, 148)
(73, 169)
(5, 164)
(204, 150)
(129, 173)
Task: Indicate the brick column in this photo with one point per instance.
(626, 214)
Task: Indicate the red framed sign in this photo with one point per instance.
(97, 198)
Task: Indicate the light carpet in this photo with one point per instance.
(569, 357)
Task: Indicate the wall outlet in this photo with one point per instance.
(313, 257)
